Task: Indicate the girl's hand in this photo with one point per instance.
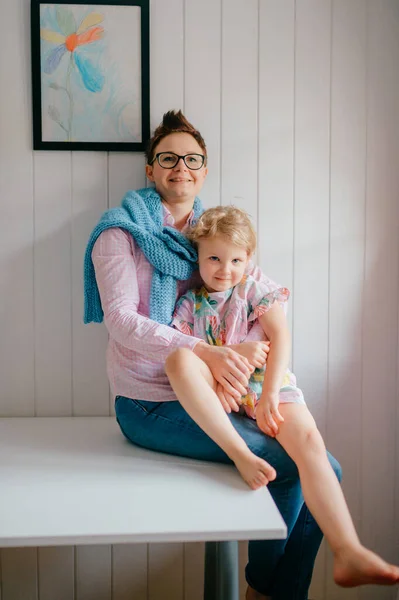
(256, 352)
(229, 368)
(268, 416)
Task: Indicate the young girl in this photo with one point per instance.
(221, 313)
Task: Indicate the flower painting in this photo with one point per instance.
(93, 83)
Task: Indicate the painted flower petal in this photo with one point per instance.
(52, 36)
(89, 21)
(53, 59)
(66, 20)
(93, 79)
(90, 36)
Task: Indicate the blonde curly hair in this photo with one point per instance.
(228, 221)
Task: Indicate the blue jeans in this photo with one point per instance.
(281, 569)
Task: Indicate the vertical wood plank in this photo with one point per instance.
(242, 562)
(16, 223)
(347, 241)
(167, 58)
(194, 565)
(93, 573)
(56, 573)
(381, 263)
(239, 83)
(89, 200)
(311, 215)
(165, 571)
(129, 572)
(16, 562)
(52, 268)
(396, 470)
(202, 56)
(125, 172)
(276, 141)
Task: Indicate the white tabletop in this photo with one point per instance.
(78, 481)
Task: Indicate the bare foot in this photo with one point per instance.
(254, 470)
(252, 595)
(361, 567)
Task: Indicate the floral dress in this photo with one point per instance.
(221, 318)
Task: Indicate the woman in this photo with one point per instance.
(136, 279)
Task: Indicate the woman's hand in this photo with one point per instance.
(229, 368)
(228, 401)
(268, 416)
(256, 352)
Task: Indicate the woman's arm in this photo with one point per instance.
(274, 325)
(119, 288)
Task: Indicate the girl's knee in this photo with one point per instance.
(313, 442)
(300, 434)
(177, 360)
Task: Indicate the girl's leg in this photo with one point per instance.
(353, 564)
(194, 386)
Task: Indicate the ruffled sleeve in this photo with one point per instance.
(183, 317)
(261, 295)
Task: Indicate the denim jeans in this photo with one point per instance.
(281, 569)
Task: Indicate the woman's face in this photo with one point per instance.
(179, 184)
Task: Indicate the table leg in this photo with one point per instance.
(221, 571)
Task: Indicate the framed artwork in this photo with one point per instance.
(90, 75)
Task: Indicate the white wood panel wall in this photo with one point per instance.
(299, 104)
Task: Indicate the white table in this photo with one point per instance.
(67, 481)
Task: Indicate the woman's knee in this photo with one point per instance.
(335, 465)
(276, 455)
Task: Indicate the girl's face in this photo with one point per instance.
(179, 184)
(221, 263)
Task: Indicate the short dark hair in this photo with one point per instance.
(173, 122)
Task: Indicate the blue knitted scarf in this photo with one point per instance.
(167, 249)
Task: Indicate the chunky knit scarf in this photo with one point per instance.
(167, 249)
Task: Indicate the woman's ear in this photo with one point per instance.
(149, 172)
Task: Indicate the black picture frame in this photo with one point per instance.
(87, 77)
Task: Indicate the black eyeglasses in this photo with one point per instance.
(168, 160)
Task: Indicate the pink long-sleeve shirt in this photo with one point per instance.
(137, 346)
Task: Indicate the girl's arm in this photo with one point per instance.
(274, 325)
(119, 286)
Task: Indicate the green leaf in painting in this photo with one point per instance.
(55, 115)
(66, 20)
